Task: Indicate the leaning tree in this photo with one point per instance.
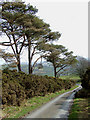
(60, 58)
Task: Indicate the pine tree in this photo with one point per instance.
(60, 58)
(12, 12)
(24, 29)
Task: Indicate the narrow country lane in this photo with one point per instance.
(57, 108)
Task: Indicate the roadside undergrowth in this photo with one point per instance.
(80, 109)
(30, 105)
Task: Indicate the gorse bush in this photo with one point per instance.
(17, 86)
(12, 92)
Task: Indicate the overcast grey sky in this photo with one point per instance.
(70, 19)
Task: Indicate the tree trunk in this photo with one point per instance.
(19, 64)
(29, 57)
(17, 53)
(55, 73)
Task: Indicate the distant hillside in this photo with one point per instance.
(46, 70)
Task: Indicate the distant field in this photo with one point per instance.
(47, 70)
(70, 77)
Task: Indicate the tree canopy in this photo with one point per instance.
(60, 58)
(81, 66)
(11, 12)
(24, 29)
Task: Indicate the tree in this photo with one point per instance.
(86, 79)
(60, 58)
(81, 66)
(11, 13)
(36, 31)
(24, 29)
(34, 44)
(9, 58)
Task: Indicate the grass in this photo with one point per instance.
(30, 105)
(80, 109)
(70, 77)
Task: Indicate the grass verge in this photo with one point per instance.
(70, 77)
(30, 105)
(80, 109)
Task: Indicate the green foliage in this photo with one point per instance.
(60, 57)
(17, 86)
(16, 16)
(80, 109)
(83, 93)
(82, 97)
(12, 92)
(9, 58)
(30, 105)
(86, 80)
(81, 66)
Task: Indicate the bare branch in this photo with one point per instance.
(36, 62)
(10, 42)
(33, 52)
(61, 68)
(6, 44)
(22, 44)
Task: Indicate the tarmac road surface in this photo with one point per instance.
(57, 108)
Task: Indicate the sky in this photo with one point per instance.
(70, 18)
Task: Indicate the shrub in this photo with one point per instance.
(83, 93)
(86, 80)
(17, 86)
(12, 92)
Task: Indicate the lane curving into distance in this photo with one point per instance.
(57, 108)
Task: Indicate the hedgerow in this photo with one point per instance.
(85, 82)
(17, 86)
